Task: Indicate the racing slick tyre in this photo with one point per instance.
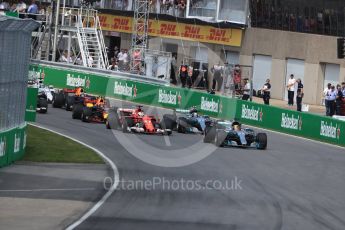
(128, 122)
(77, 111)
(42, 103)
(210, 133)
(181, 125)
(113, 121)
(261, 141)
(219, 138)
(58, 100)
(69, 103)
(86, 114)
(169, 121)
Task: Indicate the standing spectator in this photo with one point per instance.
(339, 100)
(183, 74)
(325, 95)
(33, 10)
(237, 77)
(291, 89)
(181, 8)
(189, 76)
(21, 8)
(217, 77)
(116, 51)
(246, 90)
(126, 60)
(266, 92)
(343, 89)
(120, 58)
(332, 96)
(113, 65)
(300, 95)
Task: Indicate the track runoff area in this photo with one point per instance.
(180, 182)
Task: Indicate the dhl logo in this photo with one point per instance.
(218, 35)
(121, 24)
(103, 21)
(192, 32)
(168, 29)
(151, 29)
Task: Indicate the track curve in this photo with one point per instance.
(295, 184)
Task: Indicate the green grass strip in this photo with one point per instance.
(45, 146)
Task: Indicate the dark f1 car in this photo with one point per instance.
(42, 102)
(67, 98)
(91, 109)
(187, 121)
(135, 120)
(226, 133)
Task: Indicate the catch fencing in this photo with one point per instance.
(15, 42)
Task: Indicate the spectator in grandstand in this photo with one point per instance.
(189, 76)
(21, 8)
(116, 52)
(183, 74)
(325, 95)
(300, 95)
(331, 96)
(291, 89)
(339, 100)
(65, 58)
(181, 8)
(266, 92)
(120, 58)
(246, 89)
(33, 10)
(4, 6)
(113, 65)
(343, 89)
(126, 60)
(152, 6)
(237, 77)
(217, 77)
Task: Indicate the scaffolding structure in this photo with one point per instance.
(139, 35)
(77, 34)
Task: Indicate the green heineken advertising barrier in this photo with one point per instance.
(12, 145)
(62, 77)
(306, 125)
(31, 104)
(135, 91)
(285, 121)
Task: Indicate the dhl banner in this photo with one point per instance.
(167, 29)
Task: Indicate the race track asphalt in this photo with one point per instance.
(294, 184)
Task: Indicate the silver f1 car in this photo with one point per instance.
(226, 133)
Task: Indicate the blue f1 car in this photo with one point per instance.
(227, 133)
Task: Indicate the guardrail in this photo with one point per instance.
(140, 90)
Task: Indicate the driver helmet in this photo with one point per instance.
(140, 113)
(236, 126)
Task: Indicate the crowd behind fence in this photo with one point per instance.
(298, 18)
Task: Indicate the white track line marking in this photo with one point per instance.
(111, 189)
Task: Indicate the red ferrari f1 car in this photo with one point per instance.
(135, 120)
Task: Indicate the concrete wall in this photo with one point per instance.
(315, 50)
